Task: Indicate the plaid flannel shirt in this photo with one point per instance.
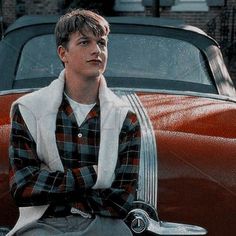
(78, 148)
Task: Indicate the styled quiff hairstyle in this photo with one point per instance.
(82, 21)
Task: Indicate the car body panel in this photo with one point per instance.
(196, 159)
(9, 211)
(194, 125)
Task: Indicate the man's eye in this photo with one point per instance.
(83, 42)
(102, 43)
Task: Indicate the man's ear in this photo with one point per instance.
(61, 51)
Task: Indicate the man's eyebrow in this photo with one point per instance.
(82, 37)
(103, 38)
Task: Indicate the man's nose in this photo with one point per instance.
(96, 49)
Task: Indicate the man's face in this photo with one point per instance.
(85, 55)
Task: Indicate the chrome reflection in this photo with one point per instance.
(148, 175)
(144, 218)
(140, 222)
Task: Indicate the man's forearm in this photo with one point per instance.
(40, 187)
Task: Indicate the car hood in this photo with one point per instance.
(191, 114)
(195, 130)
(196, 147)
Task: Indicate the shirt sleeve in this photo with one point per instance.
(31, 185)
(119, 198)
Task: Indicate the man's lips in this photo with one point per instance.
(97, 61)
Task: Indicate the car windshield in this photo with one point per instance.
(130, 56)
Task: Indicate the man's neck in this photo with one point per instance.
(82, 90)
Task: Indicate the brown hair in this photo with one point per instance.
(82, 21)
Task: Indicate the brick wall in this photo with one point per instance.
(39, 7)
(8, 10)
(198, 19)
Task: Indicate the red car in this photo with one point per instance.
(175, 78)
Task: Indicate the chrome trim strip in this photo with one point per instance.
(16, 91)
(177, 92)
(134, 90)
(148, 171)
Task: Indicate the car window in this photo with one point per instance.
(155, 57)
(39, 59)
(130, 56)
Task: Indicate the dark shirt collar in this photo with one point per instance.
(65, 106)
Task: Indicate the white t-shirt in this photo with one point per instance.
(80, 110)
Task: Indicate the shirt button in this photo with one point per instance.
(80, 135)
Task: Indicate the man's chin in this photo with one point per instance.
(95, 74)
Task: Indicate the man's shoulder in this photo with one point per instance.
(32, 98)
(43, 100)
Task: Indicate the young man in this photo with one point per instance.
(74, 150)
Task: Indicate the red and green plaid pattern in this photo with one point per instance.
(31, 185)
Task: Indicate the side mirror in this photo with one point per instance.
(143, 219)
